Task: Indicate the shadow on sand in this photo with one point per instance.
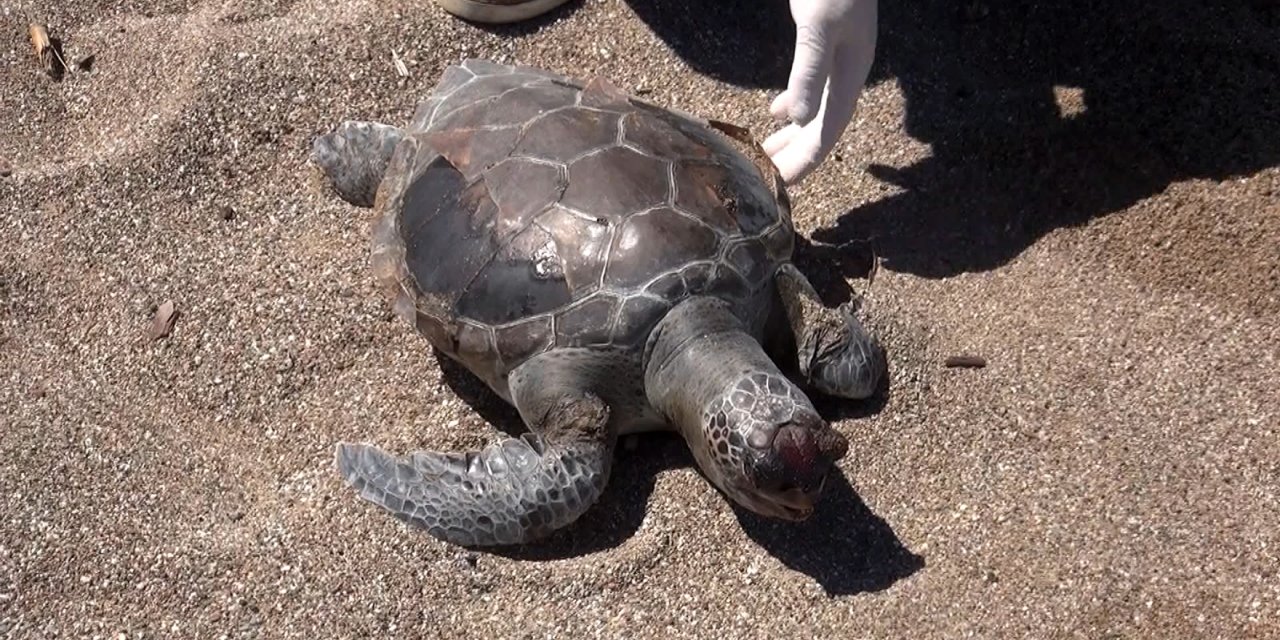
(1040, 115)
(844, 547)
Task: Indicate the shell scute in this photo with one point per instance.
(582, 244)
(519, 342)
(444, 226)
(522, 189)
(656, 138)
(525, 279)
(616, 182)
(639, 314)
(562, 135)
(472, 151)
(589, 323)
(634, 260)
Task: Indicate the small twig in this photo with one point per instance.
(966, 361)
(400, 66)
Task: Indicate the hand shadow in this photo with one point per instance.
(1050, 115)
(1040, 115)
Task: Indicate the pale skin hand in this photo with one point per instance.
(835, 45)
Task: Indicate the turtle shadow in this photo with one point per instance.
(638, 461)
(499, 413)
(1039, 115)
(843, 546)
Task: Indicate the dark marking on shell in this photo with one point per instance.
(524, 280)
(444, 226)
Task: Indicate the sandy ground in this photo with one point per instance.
(1088, 197)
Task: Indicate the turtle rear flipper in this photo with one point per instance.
(355, 156)
(511, 492)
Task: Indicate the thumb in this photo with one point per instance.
(809, 71)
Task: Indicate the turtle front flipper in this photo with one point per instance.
(355, 156)
(511, 492)
(836, 354)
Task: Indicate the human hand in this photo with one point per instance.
(835, 45)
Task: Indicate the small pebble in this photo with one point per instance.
(226, 212)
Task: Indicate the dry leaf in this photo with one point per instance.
(162, 323)
(976, 362)
(40, 42)
(48, 50)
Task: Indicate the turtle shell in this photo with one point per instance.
(525, 210)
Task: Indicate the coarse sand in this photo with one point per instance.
(1085, 194)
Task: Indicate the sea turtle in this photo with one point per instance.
(607, 266)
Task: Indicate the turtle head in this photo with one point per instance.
(767, 448)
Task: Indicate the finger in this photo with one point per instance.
(799, 157)
(780, 108)
(809, 71)
(780, 138)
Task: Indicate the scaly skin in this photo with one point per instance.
(836, 354)
(517, 490)
(511, 492)
(354, 157)
(754, 434)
